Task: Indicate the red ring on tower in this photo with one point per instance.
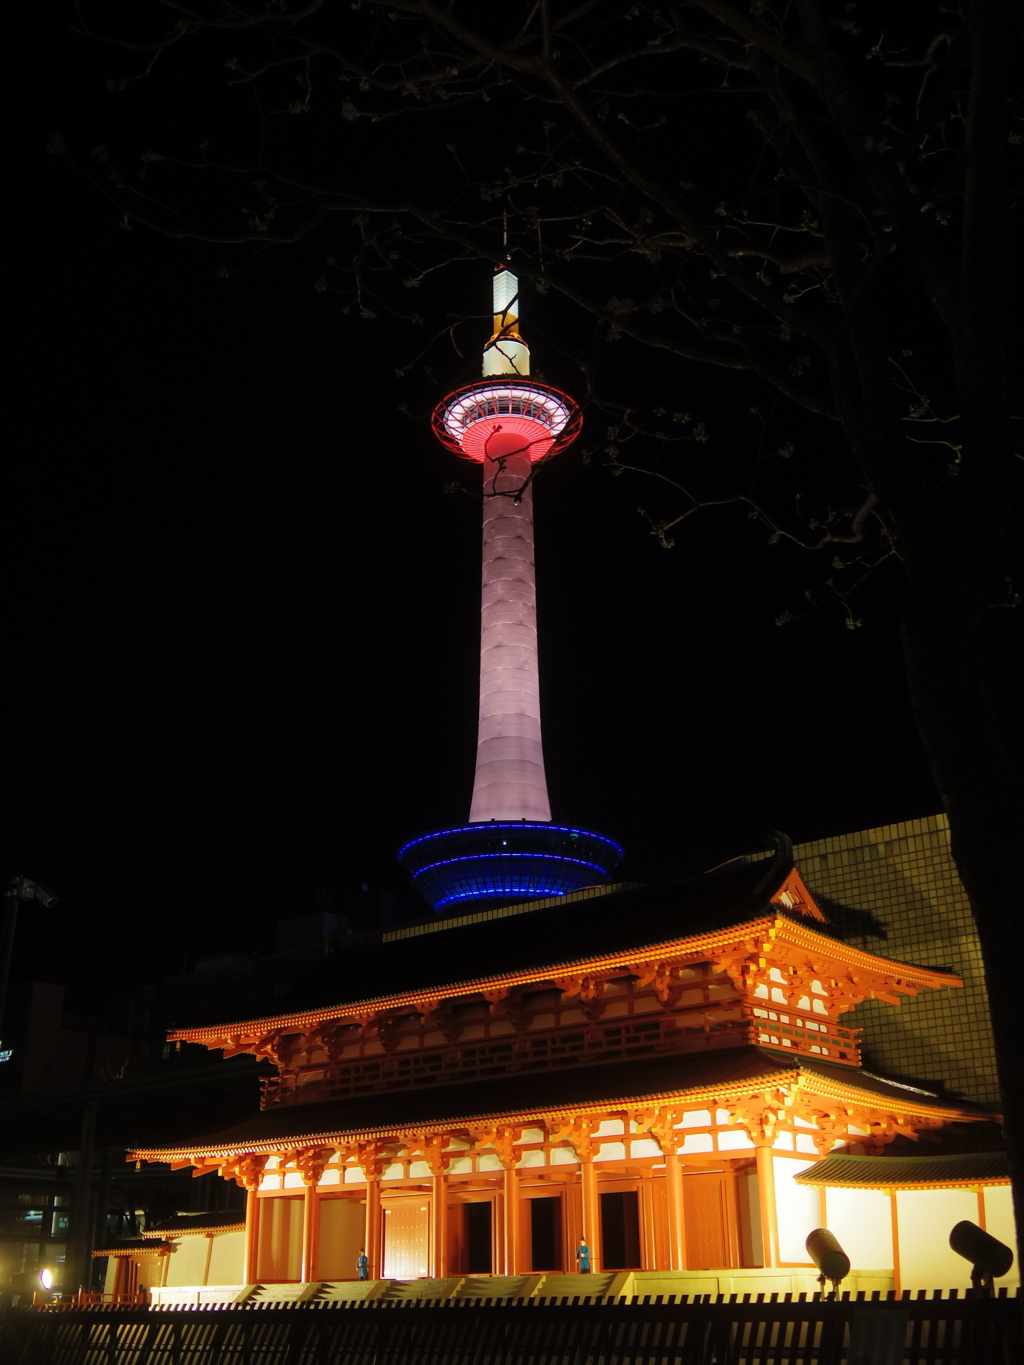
(542, 419)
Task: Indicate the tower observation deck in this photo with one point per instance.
(510, 849)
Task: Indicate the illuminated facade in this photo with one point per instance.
(507, 423)
(650, 1068)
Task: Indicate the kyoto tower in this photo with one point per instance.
(510, 850)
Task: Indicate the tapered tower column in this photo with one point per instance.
(510, 782)
(510, 850)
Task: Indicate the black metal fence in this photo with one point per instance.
(740, 1330)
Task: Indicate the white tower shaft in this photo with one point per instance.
(510, 780)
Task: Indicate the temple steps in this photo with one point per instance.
(404, 1290)
(640, 1284)
(478, 1288)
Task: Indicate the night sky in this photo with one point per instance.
(245, 610)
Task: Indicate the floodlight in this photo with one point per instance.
(988, 1256)
(830, 1258)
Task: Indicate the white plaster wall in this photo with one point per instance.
(736, 1139)
(187, 1262)
(697, 1142)
(926, 1218)
(861, 1222)
(797, 1209)
(227, 1263)
(535, 1157)
(999, 1222)
(611, 1151)
(697, 1118)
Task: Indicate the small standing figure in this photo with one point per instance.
(583, 1257)
(363, 1264)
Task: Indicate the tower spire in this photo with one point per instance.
(506, 352)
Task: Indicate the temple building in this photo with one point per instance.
(658, 1071)
(667, 1075)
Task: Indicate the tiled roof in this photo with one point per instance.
(732, 1070)
(611, 931)
(908, 1172)
(632, 918)
(183, 1224)
(128, 1246)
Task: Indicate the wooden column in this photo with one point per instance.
(662, 1129)
(591, 1210)
(674, 1204)
(311, 1163)
(766, 1205)
(650, 1223)
(439, 1224)
(730, 1194)
(310, 1230)
(252, 1234)
(371, 1233)
(510, 1220)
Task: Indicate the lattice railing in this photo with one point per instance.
(697, 1331)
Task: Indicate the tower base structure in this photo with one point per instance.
(501, 862)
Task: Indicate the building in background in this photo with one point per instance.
(73, 1082)
(895, 890)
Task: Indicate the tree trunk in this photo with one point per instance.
(981, 794)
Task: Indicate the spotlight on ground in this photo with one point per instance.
(830, 1258)
(988, 1256)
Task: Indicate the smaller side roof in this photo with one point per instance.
(189, 1224)
(127, 1246)
(908, 1172)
